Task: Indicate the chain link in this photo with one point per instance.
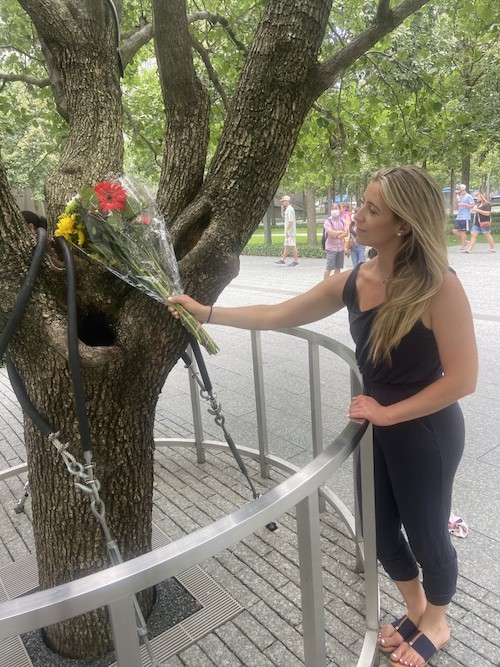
(90, 485)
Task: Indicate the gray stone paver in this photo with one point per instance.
(262, 571)
(248, 652)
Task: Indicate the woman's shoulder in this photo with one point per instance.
(347, 285)
(450, 287)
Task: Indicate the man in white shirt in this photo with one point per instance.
(290, 233)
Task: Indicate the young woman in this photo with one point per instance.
(412, 325)
(482, 222)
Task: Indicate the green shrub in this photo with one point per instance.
(276, 250)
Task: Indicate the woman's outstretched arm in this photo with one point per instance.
(317, 303)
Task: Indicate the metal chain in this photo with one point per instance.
(90, 485)
(215, 409)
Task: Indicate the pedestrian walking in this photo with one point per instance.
(482, 222)
(288, 213)
(461, 226)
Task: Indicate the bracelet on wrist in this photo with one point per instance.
(209, 315)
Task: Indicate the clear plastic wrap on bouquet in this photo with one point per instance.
(116, 223)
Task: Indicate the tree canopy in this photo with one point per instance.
(426, 93)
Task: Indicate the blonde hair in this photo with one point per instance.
(420, 263)
(484, 197)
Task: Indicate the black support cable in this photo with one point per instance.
(116, 23)
(74, 360)
(73, 355)
(201, 363)
(25, 401)
(74, 363)
(219, 419)
(25, 292)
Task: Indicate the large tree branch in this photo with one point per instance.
(25, 78)
(386, 20)
(187, 107)
(135, 42)
(212, 74)
(142, 36)
(63, 23)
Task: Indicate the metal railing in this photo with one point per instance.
(304, 490)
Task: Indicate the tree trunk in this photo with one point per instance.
(122, 380)
(120, 335)
(466, 171)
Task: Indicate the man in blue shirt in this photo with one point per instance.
(461, 226)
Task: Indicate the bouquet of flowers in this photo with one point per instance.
(117, 224)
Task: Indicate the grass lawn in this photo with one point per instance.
(278, 236)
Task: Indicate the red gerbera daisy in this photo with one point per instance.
(111, 196)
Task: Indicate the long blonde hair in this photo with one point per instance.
(484, 197)
(420, 263)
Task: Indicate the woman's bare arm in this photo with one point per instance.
(319, 302)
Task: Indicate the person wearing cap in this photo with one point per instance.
(290, 233)
(462, 222)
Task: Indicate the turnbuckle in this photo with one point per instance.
(85, 482)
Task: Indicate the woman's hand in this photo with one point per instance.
(365, 407)
(198, 310)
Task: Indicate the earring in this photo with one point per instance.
(400, 234)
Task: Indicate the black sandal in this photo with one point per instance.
(406, 628)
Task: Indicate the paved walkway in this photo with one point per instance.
(261, 572)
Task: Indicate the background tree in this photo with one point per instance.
(212, 197)
(426, 94)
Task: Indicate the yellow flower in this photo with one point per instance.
(66, 226)
(81, 234)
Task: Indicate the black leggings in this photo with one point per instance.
(415, 465)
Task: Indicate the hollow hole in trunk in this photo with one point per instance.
(96, 328)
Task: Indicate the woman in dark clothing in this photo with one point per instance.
(411, 322)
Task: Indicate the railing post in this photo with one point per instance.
(125, 637)
(369, 530)
(194, 390)
(260, 403)
(315, 394)
(316, 412)
(355, 390)
(311, 582)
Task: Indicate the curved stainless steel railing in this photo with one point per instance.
(114, 586)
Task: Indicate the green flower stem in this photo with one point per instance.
(192, 325)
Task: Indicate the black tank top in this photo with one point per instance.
(415, 361)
